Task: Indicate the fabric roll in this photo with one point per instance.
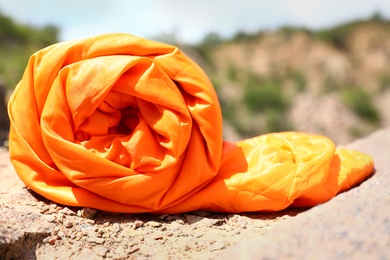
(125, 124)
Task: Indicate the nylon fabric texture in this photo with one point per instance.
(125, 124)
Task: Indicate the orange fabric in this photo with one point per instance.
(125, 124)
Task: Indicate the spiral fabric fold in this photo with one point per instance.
(124, 124)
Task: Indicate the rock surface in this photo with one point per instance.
(32, 227)
(353, 225)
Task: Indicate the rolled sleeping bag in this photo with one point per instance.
(125, 124)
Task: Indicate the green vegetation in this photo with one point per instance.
(291, 30)
(337, 36)
(208, 44)
(331, 84)
(277, 121)
(242, 36)
(17, 43)
(262, 94)
(265, 95)
(298, 78)
(231, 72)
(359, 100)
(265, 101)
(384, 81)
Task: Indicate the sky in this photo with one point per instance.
(188, 20)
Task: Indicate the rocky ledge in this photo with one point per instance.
(353, 225)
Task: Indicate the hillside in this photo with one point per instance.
(17, 43)
(334, 82)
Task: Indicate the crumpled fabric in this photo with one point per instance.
(125, 124)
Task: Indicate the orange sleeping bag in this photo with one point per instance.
(125, 124)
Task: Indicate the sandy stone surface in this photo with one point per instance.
(32, 227)
(353, 225)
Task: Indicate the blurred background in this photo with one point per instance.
(315, 66)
